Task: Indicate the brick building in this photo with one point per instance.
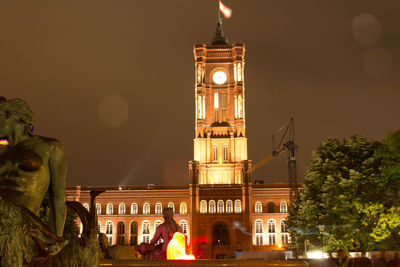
(221, 211)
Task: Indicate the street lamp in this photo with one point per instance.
(321, 228)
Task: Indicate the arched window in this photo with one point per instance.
(183, 208)
(283, 226)
(158, 208)
(220, 206)
(259, 232)
(120, 233)
(229, 206)
(271, 232)
(185, 229)
(121, 209)
(271, 207)
(183, 225)
(86, 206)
(134, 232)
(284, 232)
(98, 208)
(109, 210)
(216, 108)
(172, 206)
(211, 207)
(283, 207)
(146, 208)
(203, 206)
(109, 231)
(238, 206)
(146, 231)
(134, 208)
(271, 226)
(258, 208)
(259, 226)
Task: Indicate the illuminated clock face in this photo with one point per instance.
(219, 77)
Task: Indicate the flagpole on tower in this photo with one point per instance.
(219, 11)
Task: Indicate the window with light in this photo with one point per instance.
(183, 208)
(109, 209)
(220, 206)
(134, 208)
(271, 232)
(259, 232)
(211, 208)
(229, 206)
(203, 206)
(98, 208)
(121, 209)
(172, 206)
(283, 207)
(258, 208)
(146, 208)
(158, 208)
(109, 231)
(146, 231)
(238, 206)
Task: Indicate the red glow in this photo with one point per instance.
(200, 240)
(176, 249)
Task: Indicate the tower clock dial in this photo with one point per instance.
(219, 77)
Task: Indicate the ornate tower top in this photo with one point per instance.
(219, 38)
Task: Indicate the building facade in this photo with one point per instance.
(221, 211)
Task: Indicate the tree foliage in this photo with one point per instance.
(384, 215)
(346, 189)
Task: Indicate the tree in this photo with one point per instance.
(384, 215)
(340, 178)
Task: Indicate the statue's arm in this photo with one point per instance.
(156, 236)
(58, 172)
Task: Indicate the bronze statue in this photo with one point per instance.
(115, 252)
(165, 231)
(31, 165)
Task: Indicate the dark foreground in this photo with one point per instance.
(205, 263)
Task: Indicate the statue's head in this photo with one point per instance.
(18, 110)
(168, 213)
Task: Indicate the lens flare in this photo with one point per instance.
(176, 249)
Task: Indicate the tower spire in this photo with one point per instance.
(219, 38)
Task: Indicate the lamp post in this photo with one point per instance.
(321, 228)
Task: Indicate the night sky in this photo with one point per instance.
(114, 80)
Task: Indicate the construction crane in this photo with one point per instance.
(290, 146)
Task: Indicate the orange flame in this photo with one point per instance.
(3, 142)
(176, 249)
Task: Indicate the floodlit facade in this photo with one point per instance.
(220, 211)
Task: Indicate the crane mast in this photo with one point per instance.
(290, 146)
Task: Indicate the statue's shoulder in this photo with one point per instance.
(52, 143)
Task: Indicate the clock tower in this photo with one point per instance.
(220, 172)
(220, 144)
